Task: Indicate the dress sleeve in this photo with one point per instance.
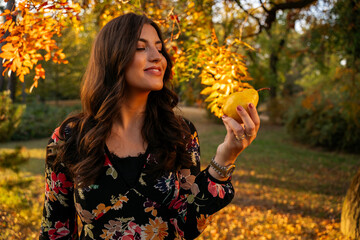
(200, 195)
(59, 215)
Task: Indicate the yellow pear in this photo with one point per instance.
(242, 98)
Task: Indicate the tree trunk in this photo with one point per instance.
(23, 92)
(350, 214)
(12, 86)
(274, 73)
(274, 107)
(10, 5)
(2, 78)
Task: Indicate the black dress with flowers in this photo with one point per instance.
(176, 205)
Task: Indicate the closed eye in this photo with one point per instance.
(143, 49)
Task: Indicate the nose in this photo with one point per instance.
(154, 55)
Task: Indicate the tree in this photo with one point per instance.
(262, 19)
(350, 214)
(12, 80)
(31, 26)
(63, 80)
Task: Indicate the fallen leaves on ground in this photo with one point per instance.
(250, 222)
(266, 211)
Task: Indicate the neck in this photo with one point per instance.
(132, 113)
(126, 137)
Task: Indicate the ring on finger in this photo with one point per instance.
(248, 134)
(239, 138)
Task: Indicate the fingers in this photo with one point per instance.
(234, 130)
(251, 120)
(239, 136)
(254, 116)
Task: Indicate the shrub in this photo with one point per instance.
(10, 116)
(324, 121)
(12, 160)
(39, 120)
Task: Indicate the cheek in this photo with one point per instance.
(134, 69)
(139, 63)
(164, 63)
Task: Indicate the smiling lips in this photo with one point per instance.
(154, 70)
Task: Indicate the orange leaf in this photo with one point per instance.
(8, 48)
(13, 67)
(40, 72)
(21, 77)
(17, 62)
(47, 56)
(27, 63)
(7, 55)
(35, 84)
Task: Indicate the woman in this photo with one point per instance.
(127, 166)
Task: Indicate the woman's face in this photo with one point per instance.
(146, 71)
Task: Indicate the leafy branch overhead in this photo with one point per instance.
(224, 73)
(30, 29)
(32, 39)
(29, 32)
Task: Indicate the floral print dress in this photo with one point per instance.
(176, 205)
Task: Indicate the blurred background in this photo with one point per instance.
(298, 180)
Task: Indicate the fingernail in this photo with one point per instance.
(251, 105)
(224, 116)
(239, 108)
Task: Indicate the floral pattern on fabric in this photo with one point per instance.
(156, 229)
(60, 183)
(165, 183)
(176, 205)
(216, 189)
(111, 170)
(60, 230)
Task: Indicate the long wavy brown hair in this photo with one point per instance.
(103, 88)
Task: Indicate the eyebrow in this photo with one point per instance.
(146, 41)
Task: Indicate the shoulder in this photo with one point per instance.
(57, 139)
(67, 129)
(189, 125)
(60, 135)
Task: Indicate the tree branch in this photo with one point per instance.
(271, 17)
(256, 18)
(263, 6)
(246, 11)
(270, 14)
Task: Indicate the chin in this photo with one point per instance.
(157, 88)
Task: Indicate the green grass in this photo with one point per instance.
(296, 189)
(36, 149)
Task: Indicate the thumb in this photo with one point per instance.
(227, 126)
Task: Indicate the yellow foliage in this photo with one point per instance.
(159, 12)
(34, 31)
(223, 74)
